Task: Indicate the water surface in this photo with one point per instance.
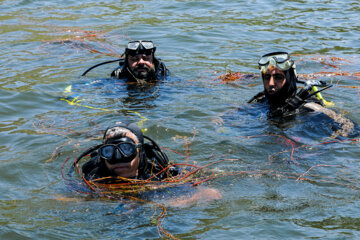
(44, 48)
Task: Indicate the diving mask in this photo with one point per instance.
(279, 60)
(121, 150)
(140, 47)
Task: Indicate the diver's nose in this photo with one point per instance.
(141, 59)
(272, 81)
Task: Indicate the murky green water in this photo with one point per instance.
(45, 46)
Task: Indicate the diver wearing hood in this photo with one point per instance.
(278, 73)
(140, 63)
(124, 153)
(278, 65)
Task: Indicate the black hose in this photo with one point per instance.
(99, 64)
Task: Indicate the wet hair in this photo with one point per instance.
(121, 129)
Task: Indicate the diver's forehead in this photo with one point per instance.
(120, 132)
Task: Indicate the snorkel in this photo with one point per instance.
(313, 85)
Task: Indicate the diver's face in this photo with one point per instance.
(274, 79)
(128, 169)
(141, 65)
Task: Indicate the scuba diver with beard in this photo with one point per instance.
(138, 68)
(139, 63)
(280, 93)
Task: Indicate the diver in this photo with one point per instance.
(124, 153)
(141, 72)
(139, 64)
(278, 72)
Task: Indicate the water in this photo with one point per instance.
(44, 47)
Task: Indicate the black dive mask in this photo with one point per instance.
(121, 150)
(140, 47)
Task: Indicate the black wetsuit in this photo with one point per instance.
(123, 72)
(292, 105)
(149, 166)
(288, 100)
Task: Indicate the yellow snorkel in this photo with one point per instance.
(320, 97)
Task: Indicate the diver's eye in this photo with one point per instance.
(267, 77)
(278, 77)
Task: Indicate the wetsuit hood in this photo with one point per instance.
(119, 129)
(288, 90)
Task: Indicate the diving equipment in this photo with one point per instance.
(140, 47)
(279, 60)
(121, 150)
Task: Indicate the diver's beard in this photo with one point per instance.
(144, 75)
(278, 99)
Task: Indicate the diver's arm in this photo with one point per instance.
(347, 126)
(203, 194)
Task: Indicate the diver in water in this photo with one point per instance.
(139, 63)
(124, 153)
(280, 93)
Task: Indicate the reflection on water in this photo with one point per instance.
(110, 93)
(285, 179)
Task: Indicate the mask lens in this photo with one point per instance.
(107, 152)
(127, 149)
(278, 57)
(119, 150)
(133, 45)
(147, 44)
(264, 60)
(281, 58)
